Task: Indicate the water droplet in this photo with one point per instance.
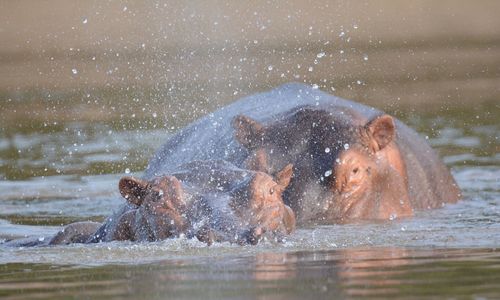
(328, 173)
(393, 217)
(346, 146)
(311, 69)
(85, 21)
(327, 150)
(127, 171)
(41, 239)
(270, 67)
(320, 55)
(74, 71)
(365, 57)
(315, 87)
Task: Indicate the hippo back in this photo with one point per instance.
(212, 137)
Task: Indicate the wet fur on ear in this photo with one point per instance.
(248, 132)
(133, 190)
(284, 176)
(381, 130)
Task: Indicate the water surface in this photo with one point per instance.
(69, 172)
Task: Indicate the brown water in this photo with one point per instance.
(66, 138)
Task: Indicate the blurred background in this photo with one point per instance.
(99, 60)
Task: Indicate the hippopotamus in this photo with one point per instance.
(348, 166)
(351, 162)
(213, 201)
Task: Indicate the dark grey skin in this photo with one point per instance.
(78, 232)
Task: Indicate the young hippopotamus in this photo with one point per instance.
(211, 200)
(347, 166)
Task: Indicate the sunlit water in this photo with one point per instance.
(57, 174)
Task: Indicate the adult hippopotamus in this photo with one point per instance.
(348, 166)
(351, 161)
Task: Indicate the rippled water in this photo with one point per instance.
(56, 174)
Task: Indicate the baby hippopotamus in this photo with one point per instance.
(213, 201)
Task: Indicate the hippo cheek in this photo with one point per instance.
(165, 223)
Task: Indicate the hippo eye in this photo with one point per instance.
(355, 170)
(274, 189)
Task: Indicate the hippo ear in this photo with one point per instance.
(284, 176)
(381, 129)
(248, 131)
(133, 189)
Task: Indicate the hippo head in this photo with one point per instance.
(212, 200)
(161, 206)
(345, 167)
